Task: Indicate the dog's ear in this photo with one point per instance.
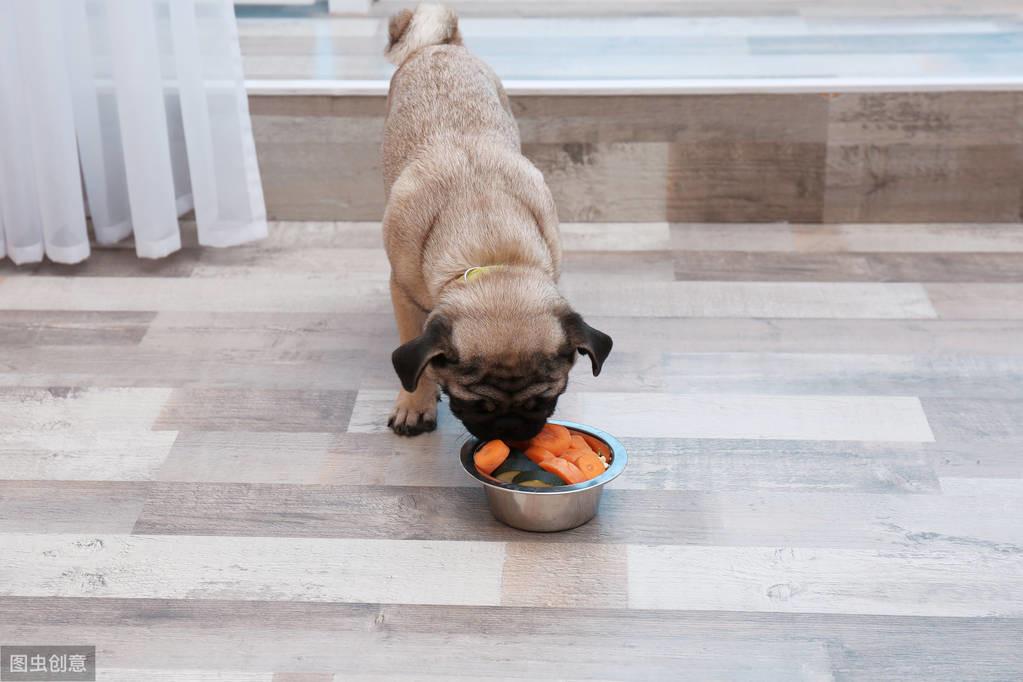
(587, 340)
(397, 26)
(411, 359)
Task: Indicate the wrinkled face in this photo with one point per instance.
(502, 370)
(511, 401)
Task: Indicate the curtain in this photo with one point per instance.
(129, 113)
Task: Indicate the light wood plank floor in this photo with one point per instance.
(825, 425)
(855, 40)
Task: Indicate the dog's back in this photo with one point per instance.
(441, 93)
(462, 197)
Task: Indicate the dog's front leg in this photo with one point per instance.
(415, 412)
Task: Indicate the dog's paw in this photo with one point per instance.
(413, 414)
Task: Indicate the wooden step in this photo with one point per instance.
(799, 156)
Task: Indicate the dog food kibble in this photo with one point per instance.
(555, 457)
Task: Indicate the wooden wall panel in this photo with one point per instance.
(872, 157)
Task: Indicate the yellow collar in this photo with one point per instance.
(478, 271)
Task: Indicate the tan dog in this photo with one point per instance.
(472, 235)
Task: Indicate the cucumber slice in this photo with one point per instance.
(537, 476)
(516, 461)
(507, 476)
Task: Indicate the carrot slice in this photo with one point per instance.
(491, 456)
(579, 444)
(538, 454)
(597, 445)
(554, 438)
(572, 454)
(590, 465)
(568, 472)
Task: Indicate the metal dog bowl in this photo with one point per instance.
(548, 509)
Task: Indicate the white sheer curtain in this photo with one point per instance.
(132, 112)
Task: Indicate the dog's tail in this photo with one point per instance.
(428, 25)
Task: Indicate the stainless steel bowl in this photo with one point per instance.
(548, 509)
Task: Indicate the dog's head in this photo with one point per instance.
(502, 351)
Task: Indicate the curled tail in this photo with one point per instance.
(428, 25)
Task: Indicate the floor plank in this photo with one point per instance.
(383, 658)
(635, 236)
(823, 425)
(298, 293)
(848, 267)
(284, 331)
(852, 237)
(352, 459)
(69, 409)
(74, 456)
(977, 301)
(77, 329)
(796, 466)
(712, 644)
(774, 335)
(70, 506)
(867, 521)
(110, 262)
(248, 457)
(751, 299)
(937, 375)
(859, 418)
(907, 583)
(982, 487)
(785, 417)
(469, 573)
(131, 674)
(208, 409)
(185, 361)
(292, 569)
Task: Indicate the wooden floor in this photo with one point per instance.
(825, 426)
(978, 39)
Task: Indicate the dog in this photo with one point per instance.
(471, 232)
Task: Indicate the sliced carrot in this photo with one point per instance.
(572, 454)
(579, 444)
(597, 445)
(553, 438)
(565, 470)
(590, 465)
(538, 454)
(491, 456)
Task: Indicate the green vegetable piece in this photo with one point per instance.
(516, 461)
(507, 476)
(541, 476)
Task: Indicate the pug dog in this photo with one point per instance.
(471, 232)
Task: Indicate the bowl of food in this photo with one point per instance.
(550, 483)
